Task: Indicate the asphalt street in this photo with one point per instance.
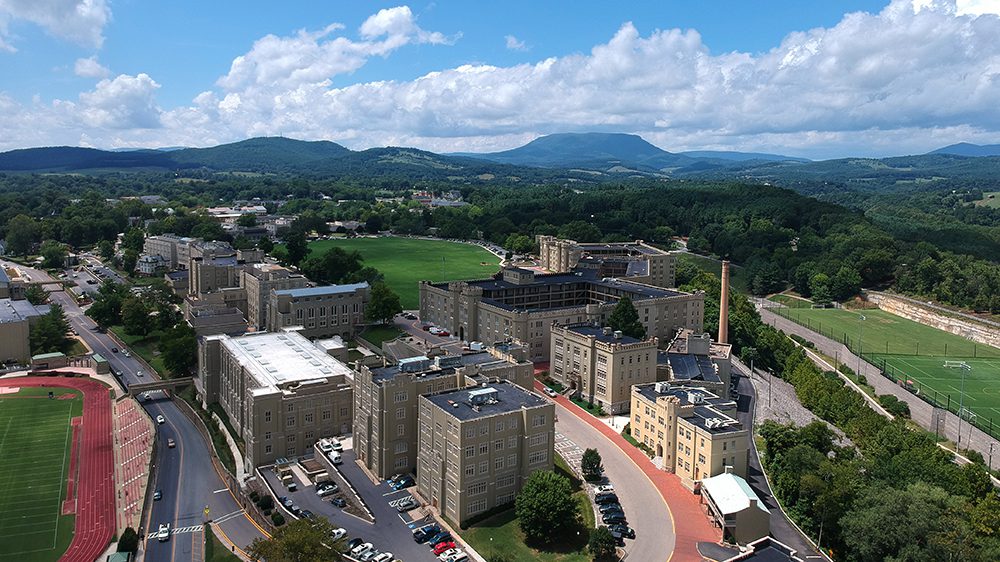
(644, 508)
(185, 474)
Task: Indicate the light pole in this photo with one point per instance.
(861, 334)
(990, 463)
(961, 406)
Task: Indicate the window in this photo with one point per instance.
(475, 507)
(267, 416)
(400, 413)
(400, 396)
(538, 420)
(505, 499)
(470, 432)
(402, 447)
(506, 481)
(309, 418)
(290, 421)
(499, 426)
(267, 449)
(511, 442)
(498, 445)
(400, 429)
(470, 452)
(498, 463)
(290, 451)
(537, 457)
(401, 462)
(343, 413)
(267, 436)
(484, 467)
(484, 429)
(538, 439)
(309, 436)
(326, 415)
(484, 448)
(291, 408)
(470, 470)
(477, 489)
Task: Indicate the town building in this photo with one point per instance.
(522, 304)
(11, 288)
(386, 399)
(736, 508)
(693, 359)
(210, 320)
(694, 431)
(150, 264)
(600, 365)
(330, 310)
(259, 280)
(16, 319)
(634, 261)
(280, 392)
(478, 445)
(174, 249)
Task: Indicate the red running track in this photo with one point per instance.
(95, 508)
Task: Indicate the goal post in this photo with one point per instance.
(956, 365)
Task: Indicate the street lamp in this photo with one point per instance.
(961, 406)
(861, 334)
(990, 463)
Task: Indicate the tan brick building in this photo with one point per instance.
(281, 392)
(478, 445)
(386, 400)
(522, 304)
(634, 261)
(16, 318)
(258, 280)
(693, 359)
(695, 431)
(601, 365)
(330, 310)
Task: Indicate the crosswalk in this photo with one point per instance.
(180, 530)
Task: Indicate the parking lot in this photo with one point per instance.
(391, 531)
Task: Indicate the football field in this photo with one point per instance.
(35, 442)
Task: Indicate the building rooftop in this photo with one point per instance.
(766, 549)
(426, 367)
(708, 408)
(627, 248)
(731, 493)
(16, 311)
(277, 360)
(485, 400)
(178, 275)
(322, 291)
(3, 276)
(597, 333)
(684, 366)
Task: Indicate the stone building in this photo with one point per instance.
(330, 310)
(634, 261)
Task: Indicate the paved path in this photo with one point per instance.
(920, 412)
(666, 530)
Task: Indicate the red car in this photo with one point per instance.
(426, 328)
(444, 333)
(443, 546)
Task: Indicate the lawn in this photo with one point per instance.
(34, 455)
(990, 199)
(791, 301)
(501, 533)
(737, 280)
(215, 551)
(407, 261)
(378, 334)
(148, 347)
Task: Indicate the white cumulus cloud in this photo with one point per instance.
(125, 102)
(79, 21)
(515, 44)
(90, 68)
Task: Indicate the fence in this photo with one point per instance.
(927, 394)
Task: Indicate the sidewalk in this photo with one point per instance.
(691, 523)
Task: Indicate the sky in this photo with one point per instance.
(808, 78)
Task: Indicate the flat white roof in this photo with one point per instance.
(730, 493)
(275, 359)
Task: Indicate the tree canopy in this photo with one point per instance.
(625, 318)
(545, 507)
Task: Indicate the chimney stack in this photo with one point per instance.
(724, 305)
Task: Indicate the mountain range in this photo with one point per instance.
(584, 157)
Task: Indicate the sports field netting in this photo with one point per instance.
(35, 443)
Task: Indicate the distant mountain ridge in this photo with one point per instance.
(969, 149)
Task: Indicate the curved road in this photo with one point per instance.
(185, 474)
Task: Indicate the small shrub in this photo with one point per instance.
(266, 502)
(862, 380)
(267, 513)
(278, 519)
(254, 496)
(129, 541)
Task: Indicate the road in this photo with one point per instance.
(185, 474)
(646, 512)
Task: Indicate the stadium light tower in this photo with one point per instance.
(961, 406)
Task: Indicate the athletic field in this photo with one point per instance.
(910, 351)
(407, 261)
(36, 436)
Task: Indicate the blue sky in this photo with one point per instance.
(811, 78)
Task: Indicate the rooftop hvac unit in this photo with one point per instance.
(695, 397)
(414, 364)
(483, 396)
(618, 334)
(444, 361)
(661, 387)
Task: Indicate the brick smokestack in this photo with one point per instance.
(724, 305)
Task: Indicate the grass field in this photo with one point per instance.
(35, 436)
(148, 347)
(791, 301)
(909, 350)
(407, 261)
(737, 279)
(990, 199)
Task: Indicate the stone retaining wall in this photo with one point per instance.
(912, 310)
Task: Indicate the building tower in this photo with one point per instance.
(724, 305)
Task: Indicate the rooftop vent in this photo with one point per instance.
(695, 397)
(607, 330)
(661, 387)
(618, 334)
(483, 396)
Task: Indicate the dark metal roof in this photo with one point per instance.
(509, 398)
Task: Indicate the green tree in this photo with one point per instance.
(545, 508)
(54, 254)
(383, 304)
(129, 541)
(36, 294)
(819, 286)
(129, 258)
(133, 239)
(107, 307)
(247, 220)
(48, 334)
(22, 234)
(302, 540)
(845, 284)
(296, 247)
(601, 544)
(520, 244)
(591, 465)
(107, 249)
(265, 244)
(135, 317)
(626, 319)
(581, 231)
(179, 349)
(333, 266)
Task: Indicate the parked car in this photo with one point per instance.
(439, 538)
(551, 392)
(126, 353)
(384, 557)
(114, 350)
(609, 497)
(609, 507)
(339, 502)
(163, 534)
(623, 529)
(157, 495)
(441, 548)
(139, 373)
(324, 446)
(353, 543)
(336, 445)
(423, 534)
(392, 479)
(361, 549)
(326, 488)
(369, 555)
(295, 509)
(285, 501)
(406, 504)
(613, 517)
(404, 482)
(427, 328)
(338, 533)
(448, 554)
(604, 489)
(336, 457)
(171, 443)
(435, 331)
(456, 557)
(306, 514)
(444, 333)
(160, 419)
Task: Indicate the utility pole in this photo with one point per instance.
(990, 463)
(961, 406)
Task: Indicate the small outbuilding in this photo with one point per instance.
(736, 508)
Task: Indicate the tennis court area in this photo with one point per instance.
(36, 437)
